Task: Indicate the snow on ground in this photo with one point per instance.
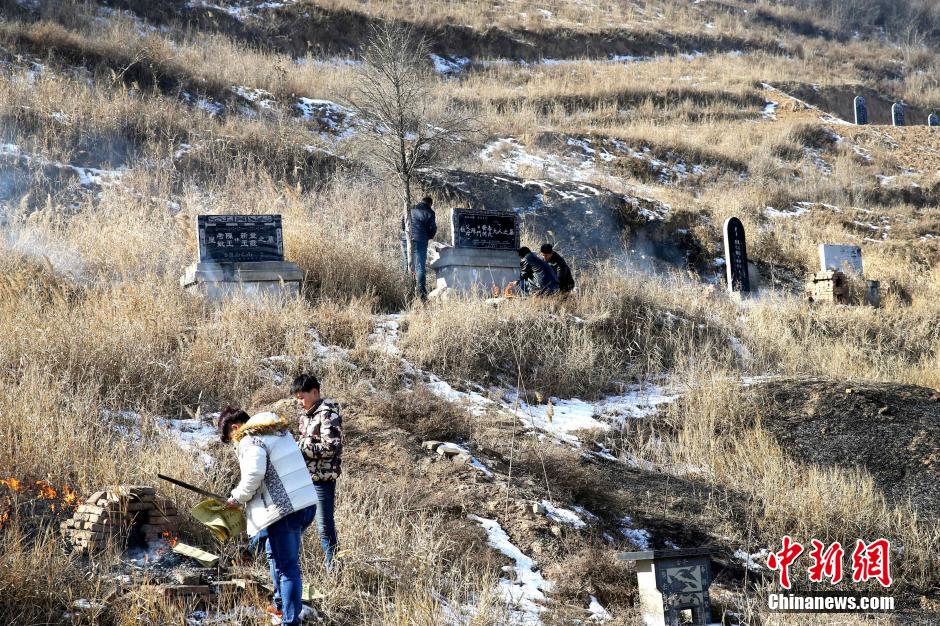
(242, 11)
(755, 562)
(334, 119)
(449, 65)
(598, 612)
(564, 516)
(87, 176)
(770, 110)
(637, 536)
(259, 97)
(525, 591)
(193, 435)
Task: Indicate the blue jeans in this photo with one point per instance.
(326, 501)
(283, 552)
(419, 252)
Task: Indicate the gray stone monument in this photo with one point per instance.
(241, 254)
(672, 581)
(736, 265)
(861, 111)
(483, 253)
(933, 120)
(897, 114)
(840, 258)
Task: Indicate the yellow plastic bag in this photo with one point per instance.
(225, 523)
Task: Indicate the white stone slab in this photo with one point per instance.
(842, 258)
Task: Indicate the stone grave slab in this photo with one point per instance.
(842, 258)
(736, 264)
(483, 252)
(861, 111)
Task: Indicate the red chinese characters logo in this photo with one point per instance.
(869, 561)
(872, 561)
(784, 559)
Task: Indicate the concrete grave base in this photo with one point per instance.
(474, 270)
(218, 281)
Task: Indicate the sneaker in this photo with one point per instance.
(276, 620)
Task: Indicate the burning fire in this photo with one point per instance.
(170, 538)
(62, 499)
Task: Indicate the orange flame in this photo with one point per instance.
(70, 496)
(170, 538)
(45, 491)
(12, 483)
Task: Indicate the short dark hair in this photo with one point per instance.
(230, 416)
(524, 251)
(547, 248)
(428, 200)
(305, 383)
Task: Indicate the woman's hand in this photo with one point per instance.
(232, 503)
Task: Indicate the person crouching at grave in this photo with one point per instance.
(558, 263)
(321, 442)
(423, 229)
(536, 277)
(278, 495)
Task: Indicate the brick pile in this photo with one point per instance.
(118, 515)
(830, 286)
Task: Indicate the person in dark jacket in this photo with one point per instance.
(536, 277)
(558, 263)
(423, 229)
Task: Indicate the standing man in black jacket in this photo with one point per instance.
(536, 277)
(558, 263)
(423, 229)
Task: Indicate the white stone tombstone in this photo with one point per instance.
(841, 258)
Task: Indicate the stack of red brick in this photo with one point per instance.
(118, 514)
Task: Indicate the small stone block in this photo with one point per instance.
(431, 445)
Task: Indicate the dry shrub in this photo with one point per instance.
(618, 327)
(423, 414)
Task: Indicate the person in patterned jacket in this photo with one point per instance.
(321, 442)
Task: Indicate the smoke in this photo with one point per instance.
(39, 245)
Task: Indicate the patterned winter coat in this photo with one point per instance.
(274, 478)
(321, 440)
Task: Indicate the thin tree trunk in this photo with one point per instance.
(411, 280)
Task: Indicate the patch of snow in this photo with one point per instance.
(527, 589)
(334, 119)
(637, 536)
(87, 176)
(449, 65)
(770, 111)
(795, 211)
(261, 98)
(755, 562)
(598, 612)
(562, 515)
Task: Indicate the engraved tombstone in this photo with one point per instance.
(736, 265)
(861, 111)
(483, 252)
(241, 254)
(933, 120)
(673, 581)
(840, 258)
(897, 114)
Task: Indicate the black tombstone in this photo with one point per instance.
(736, 256)
(485, 230)
(933, 120)
(897, 114)
(240, 238)
(861, 111)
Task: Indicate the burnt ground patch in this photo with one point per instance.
(891, 431)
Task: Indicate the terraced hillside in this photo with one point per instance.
(648, 410)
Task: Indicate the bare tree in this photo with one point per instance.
(407, 127)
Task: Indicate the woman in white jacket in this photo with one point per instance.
(277, 493)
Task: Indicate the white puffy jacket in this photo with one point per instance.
(274, 478)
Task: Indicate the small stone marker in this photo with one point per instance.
(834, 257)
(933, 120)
(671, 581)
(861, 111)
(483, 254)
(241, 254)
(736, 257)
(897, 114)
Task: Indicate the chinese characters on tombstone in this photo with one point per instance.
(240, 238)
(485, 230)
(736, 256)
(861, 111)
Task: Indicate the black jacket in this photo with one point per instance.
(565, 279)
(539, 277)
(423, 223)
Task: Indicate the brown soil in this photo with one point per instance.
(892, 431)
